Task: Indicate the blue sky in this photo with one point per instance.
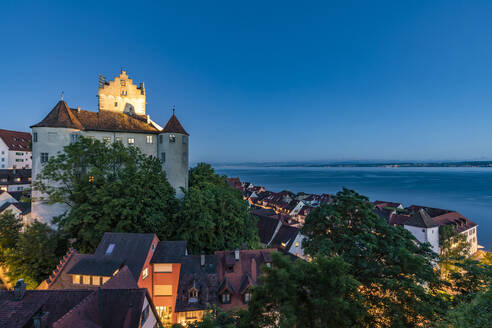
(267, 80)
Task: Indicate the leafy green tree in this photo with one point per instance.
(218, 318)
(10, 226)
(30, 254)
(454, 247)
(398, 281)
(108, 188)
(321, 293)
(476, 314)
(214, 215)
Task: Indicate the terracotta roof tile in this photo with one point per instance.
(64, 117)
(15, 140)
(173, 126)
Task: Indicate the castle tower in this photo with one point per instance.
(172, 149)
(121, 95)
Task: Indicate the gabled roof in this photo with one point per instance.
(132, 248)
(285, 236)
(173, 126)
(15, 140)
(246, 282)
(169, 251)
(203, 278)
(97, 266)
(61, 116)
(421, 219)
(267, 226)
(16, 314)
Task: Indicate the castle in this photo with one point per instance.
(122, 118)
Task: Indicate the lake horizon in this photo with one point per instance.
(462, 189)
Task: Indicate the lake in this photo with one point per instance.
(466, 190)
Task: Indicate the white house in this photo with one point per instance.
(15, 150)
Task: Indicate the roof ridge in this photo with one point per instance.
(64, 260)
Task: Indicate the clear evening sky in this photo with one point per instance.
(267, 80)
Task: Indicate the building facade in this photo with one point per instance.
(121, 118)
(15, 150)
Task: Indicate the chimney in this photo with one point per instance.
(202, 259)
(253, 269)
(236, 254)
(19, 290)
(40, 319)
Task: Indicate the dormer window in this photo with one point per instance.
(247, 297)
(172, 138)
(110, 249)
(193, 295)
(225, 298)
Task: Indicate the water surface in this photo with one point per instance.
(466, 190)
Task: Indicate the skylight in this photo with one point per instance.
(110, 249)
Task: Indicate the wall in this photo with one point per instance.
(111, 94)
(40, 209)
(20, 159)
(55, 144)
(426, 235)
(4, 155)
(296, 248)
(151, 320)
(147, 282)
(472, 239)
(167, 278)
(175, 165)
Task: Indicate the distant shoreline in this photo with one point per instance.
(465, 164)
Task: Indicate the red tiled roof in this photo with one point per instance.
(15, 140)
(173, 126)
(62, 116)
(460, 222)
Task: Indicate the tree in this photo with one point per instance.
(398, 281)
(454, 247)
(108, 188)
(30, 254)
(321, 293)
(476, 314)
(214, 215)
(10, 226)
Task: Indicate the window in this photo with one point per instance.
(297, 244)
(161, 139)
(172, 138)
(19, 154)
(75, 137)
(123, 93)
(117, 139)
(44, 157)
(247, 297)
(163, 157)
(116, 104)
(86, 280)
(163, 290)
(149, 139)
(145, 315)
(107, 140)
(76, 279)
(225, 298)
(19, 160)
(3, 159)
(165, 313)
(96, 280)
(163, 267)
(191, 314)
(145, 273)
(91, 178)
(269, 265)
(20, 188)
(34, 137)
(52, 136)
(185, 140)
(185, 157)
(3, 152)
(110, 249)
(131, 141)
(193, 295)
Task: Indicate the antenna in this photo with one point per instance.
(173, 108)
(62, 95)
